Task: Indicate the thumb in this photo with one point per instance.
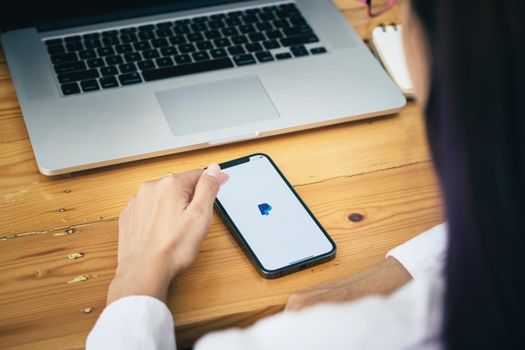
(207, 188)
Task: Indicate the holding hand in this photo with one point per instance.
(161, 231)
(383, 278)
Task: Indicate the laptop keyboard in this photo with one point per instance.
(143, 53)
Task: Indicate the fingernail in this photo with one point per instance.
(224, 178)
(213, 170)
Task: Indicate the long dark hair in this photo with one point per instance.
(476, 127)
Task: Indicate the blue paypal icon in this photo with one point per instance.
(265, 208)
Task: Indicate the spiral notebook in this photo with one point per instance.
(388, 46)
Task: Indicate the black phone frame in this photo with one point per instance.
(271, 274)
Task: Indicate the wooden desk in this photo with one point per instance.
(379, 168)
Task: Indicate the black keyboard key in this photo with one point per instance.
(299, 51)
(164, 62)
(217, 24)
(255, 37)
(129, 30)
(222, 42)
(212, 34)
(168, 51)
(236, 50)
(198, 27)
(89, 85)
(163, 25)
(91, 36)
(239, 40)
(127, 68)
(69, 67)
(243, 60)
(299, 40)
(191, 68)
(73, 38)
(108, 82)
(112, 40)
(274, 34)
(92, 44)
(267, 16)
(62, 58)
(200, 19)
(182, 59)
(298, 21)
(204, 45)
(146, 35)
(146, 28)
(200, 56)
(252, 12)
(110, 33)
(159, 42)
(108, 71)
(86, 54)
(113, 60)
(145, 65)
(233, 22)
(124, 48)
(283, 56)
(218, 16)
(235, 14)
(70, 88)
(77, 76)
(52, 42)
(318, 50)
(75, 46)
(163, 33)
(264, 56)
(255, 47)
(149, 54)
(229, 31)
(56, 49)
(218, 53)
(141, 46)
(186, 48)
(132, 57)
(271, 44)
(250, 19)
(131, 78)
(247, 29)
(294, 31)
(193, 37)
(263, 26)
(281, 23)
(181, 29)
(105, 51)
(178, 40)
(185, 22)
(128, 38)
(95, 63)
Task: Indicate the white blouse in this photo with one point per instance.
(407, 319)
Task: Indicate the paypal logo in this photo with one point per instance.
(265, 208)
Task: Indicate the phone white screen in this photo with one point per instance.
(270, 218)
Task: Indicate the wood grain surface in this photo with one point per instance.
(379, 168)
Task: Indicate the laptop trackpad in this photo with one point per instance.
(215, 105)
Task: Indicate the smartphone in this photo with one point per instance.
(269, 220)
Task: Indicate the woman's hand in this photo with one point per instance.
(161, 231)
(382, 278)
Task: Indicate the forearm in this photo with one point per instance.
(382, 278)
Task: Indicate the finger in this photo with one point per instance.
(207, 189)
(177, 189)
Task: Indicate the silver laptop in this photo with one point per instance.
(107, 82)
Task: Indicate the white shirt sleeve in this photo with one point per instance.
(133, 322)
(408, 319)
(424, 253)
